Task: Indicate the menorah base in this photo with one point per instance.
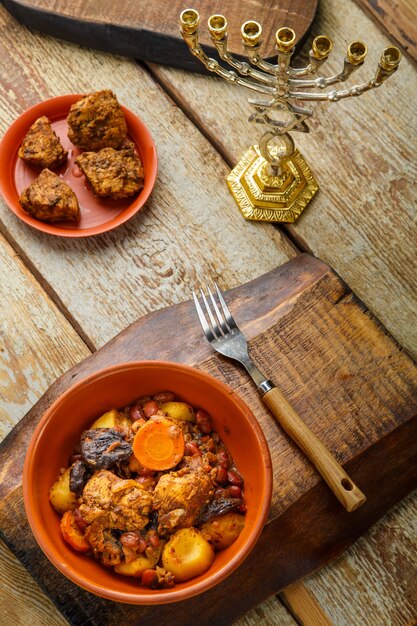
(263, 197)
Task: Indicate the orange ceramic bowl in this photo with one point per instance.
(117, 386)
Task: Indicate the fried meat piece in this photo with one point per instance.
(104, 545)
(41, 146)
(180, 497)
(112, 173)
(97, 121)
(50, 199)
(114, 503)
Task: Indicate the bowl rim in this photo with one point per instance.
(162, 596)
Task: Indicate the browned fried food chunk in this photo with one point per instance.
(50, 199)
(97, 121)
(112, 173)
(116, 503)
(180, 497)
(41, 146)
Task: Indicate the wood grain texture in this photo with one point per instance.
(362, 151)
(398, 18)
(352, 356)
(150, 30)
(374, 583)
(37, 342)
(22, 602)
(186, 234)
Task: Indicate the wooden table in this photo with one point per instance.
(361, 223)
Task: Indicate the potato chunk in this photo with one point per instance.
(179, 411)
(134, 568)
(224, 530)
(187, 554)
(60, 495)
(112, 419)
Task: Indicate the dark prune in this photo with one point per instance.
(221, 506)
(79, 474)
(103, 447)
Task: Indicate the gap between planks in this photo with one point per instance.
(296, 240)
(47, 288)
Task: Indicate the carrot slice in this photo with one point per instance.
(159, 444)
(72, 533)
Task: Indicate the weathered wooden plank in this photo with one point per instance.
(148, 30)
(22, 602)
(398, 19)
(189, 231)
(374, 583)
(37, 342)
(362, 151)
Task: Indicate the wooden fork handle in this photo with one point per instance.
(335, 476)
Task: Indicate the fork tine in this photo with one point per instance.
(225, 308)
(225, 328)
(204, 325)
(214, 325)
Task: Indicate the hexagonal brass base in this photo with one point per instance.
(262, 197)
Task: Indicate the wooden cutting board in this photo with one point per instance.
(351, 383)
(149, 30)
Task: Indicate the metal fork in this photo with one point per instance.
(225, 337)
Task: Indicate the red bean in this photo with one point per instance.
(234, 478)
(242, 508)
(203, 420)
(164, 396)
(221, 476)
(150, 408)
(235, 491)
(136, 412)
(201, 414)
(149, 576)
(222, 459)
(130, 539)
(191, 448)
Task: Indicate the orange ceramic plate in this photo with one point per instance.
(97, 215)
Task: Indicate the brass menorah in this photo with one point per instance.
(272, 182)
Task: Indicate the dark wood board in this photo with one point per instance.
(349, 380)
(150, 30)
(398, 19)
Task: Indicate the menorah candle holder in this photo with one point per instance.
(272, 182)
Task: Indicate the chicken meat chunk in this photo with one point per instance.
(50, 199)
(97, 121)
(113, 503)
(41, 146)
(180, 497)
(112, 173)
